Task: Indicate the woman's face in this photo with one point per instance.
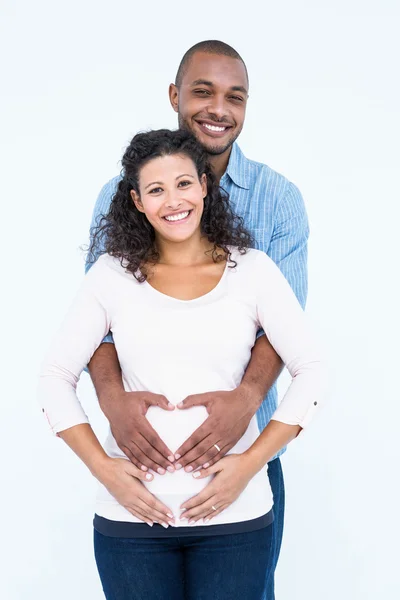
(171, 196)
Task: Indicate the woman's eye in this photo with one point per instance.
(155, 190)
(184, 183)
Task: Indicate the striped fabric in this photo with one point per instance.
(274, 213)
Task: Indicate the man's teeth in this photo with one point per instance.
(178, 217)
(213, 127)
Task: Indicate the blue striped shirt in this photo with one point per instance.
(273, 211)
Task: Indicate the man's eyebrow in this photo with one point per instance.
(233, 88)
(202, 82)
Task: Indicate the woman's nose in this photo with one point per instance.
(173, 202)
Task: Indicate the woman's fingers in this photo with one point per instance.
(214, 513)
(139, 515)
(201, 510)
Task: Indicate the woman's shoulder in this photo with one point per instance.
(108, 267)
(251, 258)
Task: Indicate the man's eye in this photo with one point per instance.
(237, 98)
(184, 183)
(155, 190)
(202, 92)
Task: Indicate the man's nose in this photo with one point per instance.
(217, 107)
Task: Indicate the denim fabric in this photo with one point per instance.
(224, 567)
(278, 489)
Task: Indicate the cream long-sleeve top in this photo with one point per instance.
(177, 348)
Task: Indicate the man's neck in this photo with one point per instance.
(219, 162)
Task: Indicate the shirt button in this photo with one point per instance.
(315, 403)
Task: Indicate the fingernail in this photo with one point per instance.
(178, 466)
(191, 522)
(172, 523)
(196, 474)
(183, 510)
(206, 465)
(188, 469)
(149, 476)
(170, 469)
(171, 458)
(206, 520)
(164, 525)
(143, 468)
(177, 456)
(160, 471)
(170, 405)
(170, 515)
(180, 405)
(150, 524)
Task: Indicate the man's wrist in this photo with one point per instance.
(253, 394)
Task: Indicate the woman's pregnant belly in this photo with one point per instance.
(174, 427)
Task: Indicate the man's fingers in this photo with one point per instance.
(195, 400)
(150, 434)
(211, 458)
(158, 460)
(197, 437)
(140, 460)
(160, 401)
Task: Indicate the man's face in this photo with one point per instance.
(211, 100)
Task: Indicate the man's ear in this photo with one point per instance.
(174, 96)
(136, 200)
(203, 182)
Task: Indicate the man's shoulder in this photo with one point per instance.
(260, 174)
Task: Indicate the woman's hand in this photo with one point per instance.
(124, 482)
(232, 474)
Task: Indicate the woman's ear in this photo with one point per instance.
(136, 200)
(203, 182)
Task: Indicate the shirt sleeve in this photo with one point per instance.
(288, 247)
(287, 328)
(101, 208)
(81, 333)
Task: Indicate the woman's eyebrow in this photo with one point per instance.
(184, 175)
(152, 183)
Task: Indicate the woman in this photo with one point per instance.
(184, 298)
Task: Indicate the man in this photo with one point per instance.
(210, 96)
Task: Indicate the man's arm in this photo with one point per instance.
(230, 412)
(125, 410)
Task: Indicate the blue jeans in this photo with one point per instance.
(221, 567)
(278, 489)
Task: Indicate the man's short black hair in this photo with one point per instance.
(210, 47)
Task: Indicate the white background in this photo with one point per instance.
(78, 80)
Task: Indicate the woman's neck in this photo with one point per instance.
(184, 254)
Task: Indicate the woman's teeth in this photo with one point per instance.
(177, 217)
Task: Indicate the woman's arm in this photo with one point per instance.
(82, 331)
(119, 476)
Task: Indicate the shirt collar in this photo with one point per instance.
(236, 168)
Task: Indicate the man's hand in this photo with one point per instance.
(133, 433)
(229, 416)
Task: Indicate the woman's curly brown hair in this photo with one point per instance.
(126, 233)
